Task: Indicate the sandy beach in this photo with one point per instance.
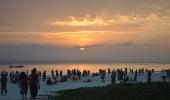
(14, 94)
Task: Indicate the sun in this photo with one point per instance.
(82, 49)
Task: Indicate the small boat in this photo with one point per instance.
(12, 66)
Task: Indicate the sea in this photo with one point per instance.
(93, 67)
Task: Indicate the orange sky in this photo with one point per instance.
(85, 23)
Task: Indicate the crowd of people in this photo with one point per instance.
(31, 81)
(58, 76)
(23, 80)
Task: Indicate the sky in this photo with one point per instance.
(85, 30)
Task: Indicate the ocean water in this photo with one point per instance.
(93, 67)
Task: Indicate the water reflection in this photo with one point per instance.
(87, 66)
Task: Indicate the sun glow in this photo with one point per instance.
(82, 49)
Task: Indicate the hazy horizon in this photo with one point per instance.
(85, 30)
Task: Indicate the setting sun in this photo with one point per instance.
(82, 49)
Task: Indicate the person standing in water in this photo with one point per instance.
(23, 84)
(34, 84)
(4, 82)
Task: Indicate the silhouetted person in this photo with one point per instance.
(39, 74)
(103, 76)
(16, 77)
(149, 76)
(113, 77)
(108, 70)
(168, 74)
(61, 73)
(135, 76)
(52, 74)
(56, 74)
(23, 83)
(120, 75)
(126, 79)
(44, 76)
(34, 84)
(4, 82)
(49, 82)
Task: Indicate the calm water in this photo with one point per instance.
(93, 67)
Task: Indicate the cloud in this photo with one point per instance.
(142, 19)
(124, 44)
(85, 21)
(23, 34)
(129, 44)
(90, 46)
(7, 38)
(81, 38)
